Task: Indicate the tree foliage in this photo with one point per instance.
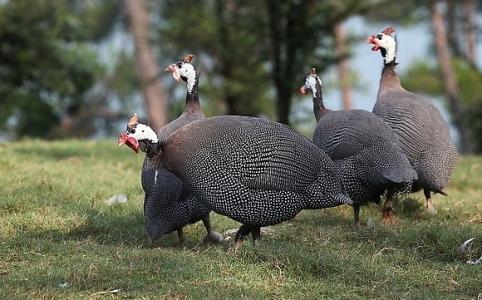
(256, 48)
(252, 56)
(224, 35)
(46, 65)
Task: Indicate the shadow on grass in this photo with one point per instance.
(112, 228)
(324, 217)
(408, 207)
(133, 273)
(117, 245)
(435, 241)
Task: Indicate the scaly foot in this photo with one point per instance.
(388, 216)
(430, 208)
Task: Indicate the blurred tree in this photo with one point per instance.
(247, 44)
(46, 65)
(301, 35)
(342, 66)
(470, 29)
(225, 36)
(146, 64)
(406, 12)
(448, 75)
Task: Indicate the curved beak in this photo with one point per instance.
(303, 91)
(374, 41)
(170, 68)
(130, 141)
(174, 70)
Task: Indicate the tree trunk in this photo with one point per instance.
(452, 28)
(470, 31)
(224, 57)
(342, 66)
(448, 75)
(286, 40)
(146, 64)
(274, 16)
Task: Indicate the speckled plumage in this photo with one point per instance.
(364, 149)
(422, 133)
(254, 171)
(168, 204)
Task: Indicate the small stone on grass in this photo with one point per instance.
(119, 198)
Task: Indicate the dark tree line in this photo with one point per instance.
(259, 44)
(252, 56)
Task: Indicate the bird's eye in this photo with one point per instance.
(132, 130)
(179, 64)
(143, 130)
(379, 36)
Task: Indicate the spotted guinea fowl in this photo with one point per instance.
(363, 147)
(422, 132)
(252, 170)
(168, 204)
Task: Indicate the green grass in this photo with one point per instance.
(55, 229)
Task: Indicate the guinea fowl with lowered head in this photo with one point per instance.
(252, 170)
(423, 135)
(364, 149)
(168, 204)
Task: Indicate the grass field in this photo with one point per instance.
(59, 239)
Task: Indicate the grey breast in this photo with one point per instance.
(167, 204)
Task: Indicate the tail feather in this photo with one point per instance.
(342, 199)
(441, 193)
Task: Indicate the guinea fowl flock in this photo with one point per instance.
(261, 173)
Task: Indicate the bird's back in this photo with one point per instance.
(345, 133)
(264, 171)
(366, 152)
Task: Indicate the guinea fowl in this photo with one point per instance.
(422, 132)
(168, 204)
(252, 170)
(363, 147)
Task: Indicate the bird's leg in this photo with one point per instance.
(256, 233)
(428, 204)
(387, 210)
(180, 234)
(212, 236)
(242, 232)
(356, 214)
